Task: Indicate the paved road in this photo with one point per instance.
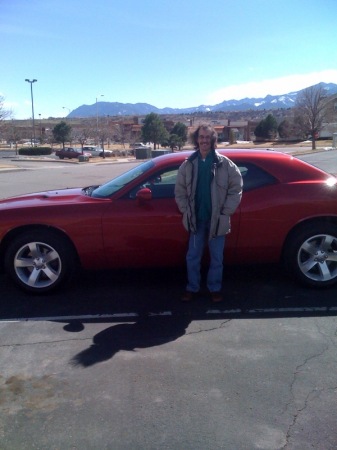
(114, 361)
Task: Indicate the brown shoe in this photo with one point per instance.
(216, 297)
(188, 296)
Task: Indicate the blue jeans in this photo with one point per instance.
(194, 255)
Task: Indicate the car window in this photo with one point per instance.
(161, 184)
(118, 183)
(254, 177)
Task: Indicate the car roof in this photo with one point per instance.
(283, 166)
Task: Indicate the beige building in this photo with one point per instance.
(329, 126)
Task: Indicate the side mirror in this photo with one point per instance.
(144, 194)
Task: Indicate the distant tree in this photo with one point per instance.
(120, 133)
(13, 133)
(267, 128)
(4, 112)
(299, 128)
(291, 128)
(104, 135)
(310, 106)
(153, 129)
(84, 132)
(62, 132)
(232, 138)
(174, 141)
(180, 130)
(285, 129)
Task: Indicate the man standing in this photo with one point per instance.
(208, 190)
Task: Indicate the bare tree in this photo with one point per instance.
(12, 133)
(310, 106)
(121, 133)
(4, 112)
(104, 133)
(84, 133)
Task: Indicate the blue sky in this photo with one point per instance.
(177, 53)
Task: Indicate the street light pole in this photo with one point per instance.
(64, 107)
(40, 129)
(31, 94)
(102, 95)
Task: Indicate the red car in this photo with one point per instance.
(288, 213)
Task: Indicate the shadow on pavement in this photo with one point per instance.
(142, 309)
(144, 333)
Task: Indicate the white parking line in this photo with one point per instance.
(133, 315)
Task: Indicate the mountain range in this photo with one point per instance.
(269, 102)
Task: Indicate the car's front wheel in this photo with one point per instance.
(39, 261)
(311, 255)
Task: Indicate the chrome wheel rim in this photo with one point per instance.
(317, 257)
(37, 264)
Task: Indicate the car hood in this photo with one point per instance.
(73, 195)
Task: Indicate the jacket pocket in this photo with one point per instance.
(224, 225)
(186, 221)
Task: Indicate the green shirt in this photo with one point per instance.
(203, 192)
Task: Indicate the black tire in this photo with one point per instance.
(311, 255)
(61, 157)
(39, 261)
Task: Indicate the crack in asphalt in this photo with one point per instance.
(312, 393)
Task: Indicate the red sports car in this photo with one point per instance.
(288, 213)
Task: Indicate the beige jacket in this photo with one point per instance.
(226, 192)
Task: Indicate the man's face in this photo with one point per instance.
(204, 141)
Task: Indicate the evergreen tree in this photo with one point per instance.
(267, 128)
(175, 141)
(62, 132)
(153, 129)
(179, 130)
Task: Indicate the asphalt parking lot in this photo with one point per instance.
(115, 361)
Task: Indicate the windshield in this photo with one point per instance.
(112, 186)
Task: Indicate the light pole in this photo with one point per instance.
(31, 94)
(102, 95)
(64, 107)
(40, 129)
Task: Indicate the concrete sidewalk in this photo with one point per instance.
(10, 165)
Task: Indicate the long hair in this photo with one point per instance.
(195, 135)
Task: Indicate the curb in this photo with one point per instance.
(12, 167)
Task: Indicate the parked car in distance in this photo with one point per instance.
(288, 214)
(139, 145)
(97, 151)
(32, 143)
(71, 152)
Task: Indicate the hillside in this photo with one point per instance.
(270, 102)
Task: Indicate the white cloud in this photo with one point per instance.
(276, 86)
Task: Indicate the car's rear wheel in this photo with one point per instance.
(61, 157)
(311, 255)
(39, 261)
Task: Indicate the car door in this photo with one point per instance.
(261, 228)
(139, 232)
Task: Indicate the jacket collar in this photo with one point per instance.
(217, 157)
